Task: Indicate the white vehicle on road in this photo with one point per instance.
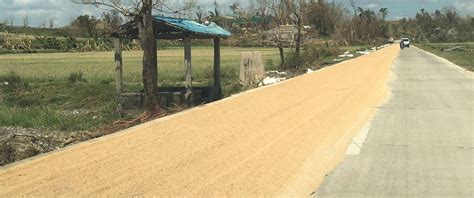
(406, 42)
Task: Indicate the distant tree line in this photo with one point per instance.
(444, 25)
(92, 27)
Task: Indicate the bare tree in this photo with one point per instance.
(112, 19)
(298, 15)
(51, 22)
(235, 7)
(354, 7)
(141, 12)
(188, 8)
(262, 10)
(215, 15)
(278, 10)
(43, 24)
(11, 19)
(25, 21)
(199, 11)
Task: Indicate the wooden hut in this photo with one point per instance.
(174, 29)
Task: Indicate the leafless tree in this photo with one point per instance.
(11, 19)
(263, 12)
(298, 12)
(25, 21)
(277, 8)
(43, 24)
(51, 22)
(200, 13)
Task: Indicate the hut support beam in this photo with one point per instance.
(118, 71)
(217, 69)
(187, 67)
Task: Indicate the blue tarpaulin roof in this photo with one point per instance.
(173, 28)
(212, 30)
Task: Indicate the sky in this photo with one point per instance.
(64, 11)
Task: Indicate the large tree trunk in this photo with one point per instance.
(298, 38)
(150, 69)
(282, 54)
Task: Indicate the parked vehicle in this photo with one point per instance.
(390, 40)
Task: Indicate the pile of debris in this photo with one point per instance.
(272, 77)
(17, 143)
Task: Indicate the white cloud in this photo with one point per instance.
(372, 5)
(466, 7)
(63, 11)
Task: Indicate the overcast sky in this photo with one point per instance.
(63, 11)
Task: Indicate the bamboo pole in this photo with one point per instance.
(217, 69)
(187, 67)
(118, 71)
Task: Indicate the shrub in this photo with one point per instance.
(106, 81)
(11, 78)
(310, 55)
(70, 43)
(292, 60)
(244, 41)
(269, 63)
(75, 77)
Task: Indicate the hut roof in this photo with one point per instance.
(173, 28)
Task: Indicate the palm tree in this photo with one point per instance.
(361, 11)
(234, 7)
(384, 12)
(367, 14)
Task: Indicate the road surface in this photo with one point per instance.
(420, 144)
(275, 140)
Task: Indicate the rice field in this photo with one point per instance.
(98, 66)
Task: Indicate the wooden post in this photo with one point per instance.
(187, 67)
(118, 71)
(217, 69)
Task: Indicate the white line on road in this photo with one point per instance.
(358, 141)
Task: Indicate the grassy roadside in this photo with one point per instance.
(76, 92)
(462, 57)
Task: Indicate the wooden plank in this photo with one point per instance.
(447, 50)
(217, 69)
(118, 71)
(188, 96)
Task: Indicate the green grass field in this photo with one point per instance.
(463, 58)
(40, 95)
(99, 66)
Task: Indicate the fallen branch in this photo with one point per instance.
(447, 50)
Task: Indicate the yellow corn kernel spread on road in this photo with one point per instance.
(278, 140)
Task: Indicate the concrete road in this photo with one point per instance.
(420, 143)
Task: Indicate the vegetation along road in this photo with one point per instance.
(275, 140)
